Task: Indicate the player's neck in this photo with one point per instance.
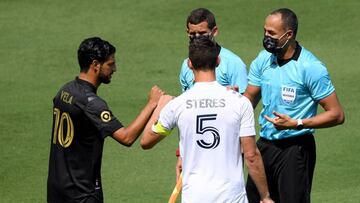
(87, 77)
(204, 76)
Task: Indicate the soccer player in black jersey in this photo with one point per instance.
(81, 122)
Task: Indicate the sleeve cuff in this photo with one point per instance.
(248, 131)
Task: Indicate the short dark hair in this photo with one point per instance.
(203, 54)
(289, 19)
(200, 15)
(94, 48)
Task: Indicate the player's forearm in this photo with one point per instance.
(150, 138)
(138, 125)
(257, 172)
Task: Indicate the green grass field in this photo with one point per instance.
(38, 44)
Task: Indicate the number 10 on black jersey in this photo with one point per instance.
(63, 135)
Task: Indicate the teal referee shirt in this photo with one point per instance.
(293, 87)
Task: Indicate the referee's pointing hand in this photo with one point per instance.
(282, 121)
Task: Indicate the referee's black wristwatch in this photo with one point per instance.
(299, 125)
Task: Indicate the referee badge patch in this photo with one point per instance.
(288, 94)
(105, 116)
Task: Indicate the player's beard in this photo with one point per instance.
(106, 79)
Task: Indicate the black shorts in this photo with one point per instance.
(289, 166)
(97, 197)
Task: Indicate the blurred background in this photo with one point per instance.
(38, 54)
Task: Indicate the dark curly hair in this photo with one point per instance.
(91, 49)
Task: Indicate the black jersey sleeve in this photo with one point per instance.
(101, 116)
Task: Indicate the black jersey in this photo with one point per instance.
(81, 121)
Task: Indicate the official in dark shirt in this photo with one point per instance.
(81, 122)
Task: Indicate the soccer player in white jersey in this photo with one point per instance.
(212, 122)
(231, 71)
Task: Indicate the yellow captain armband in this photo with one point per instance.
(159, 129)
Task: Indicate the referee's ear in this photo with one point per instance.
(189, 63)
(215, 31)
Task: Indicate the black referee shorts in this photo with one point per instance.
(289, 166)
(97, 197)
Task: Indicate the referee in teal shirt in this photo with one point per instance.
(231, 71)
(291, 82)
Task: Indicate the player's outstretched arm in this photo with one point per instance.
(150, 138)
(128, 135)
(255, 166)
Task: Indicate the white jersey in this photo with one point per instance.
(211, 120)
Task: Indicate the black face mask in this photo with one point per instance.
(271, 44)
(201, 36)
